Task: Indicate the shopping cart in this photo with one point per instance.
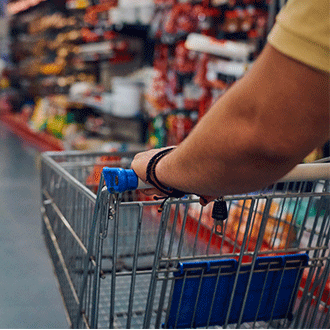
(122, 264)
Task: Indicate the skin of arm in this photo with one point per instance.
(263, 126)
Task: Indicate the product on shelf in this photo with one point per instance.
(132, 12)
(224, 48)
(179, 125)
(94, 13)
(157, 132)
(156, 94)
(50, 115)
(14, 8)
(77, 4)
(40, 115)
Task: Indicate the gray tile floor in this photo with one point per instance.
(29, 294)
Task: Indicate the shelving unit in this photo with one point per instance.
(41, 140)
(56, 44)
(197, 49)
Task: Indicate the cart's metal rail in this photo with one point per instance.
(121, 264)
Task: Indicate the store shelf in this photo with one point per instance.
(103, 104)
(41, 140)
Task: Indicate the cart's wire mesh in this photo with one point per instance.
(116, 256)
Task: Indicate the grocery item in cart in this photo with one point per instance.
(93, 179)
(278, 234)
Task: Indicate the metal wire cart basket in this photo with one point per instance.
(122, 264)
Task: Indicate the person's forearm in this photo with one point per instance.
(252, 136)
(222, 155)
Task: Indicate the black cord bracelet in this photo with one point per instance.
(153, 180)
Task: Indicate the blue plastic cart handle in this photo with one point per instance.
(119, 180)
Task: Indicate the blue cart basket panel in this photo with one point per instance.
(202, 291)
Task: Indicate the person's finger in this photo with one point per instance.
(152, 191)
(204, 200)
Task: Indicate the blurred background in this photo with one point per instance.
(103, 75)
(114, 74)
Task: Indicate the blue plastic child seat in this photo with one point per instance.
(198, 290)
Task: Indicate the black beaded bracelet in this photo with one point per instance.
(153, 180)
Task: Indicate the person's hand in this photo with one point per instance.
(139, 165)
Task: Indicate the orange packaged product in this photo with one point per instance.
(94, 177)
(279, 233)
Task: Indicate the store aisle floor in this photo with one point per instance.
(29, 295)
